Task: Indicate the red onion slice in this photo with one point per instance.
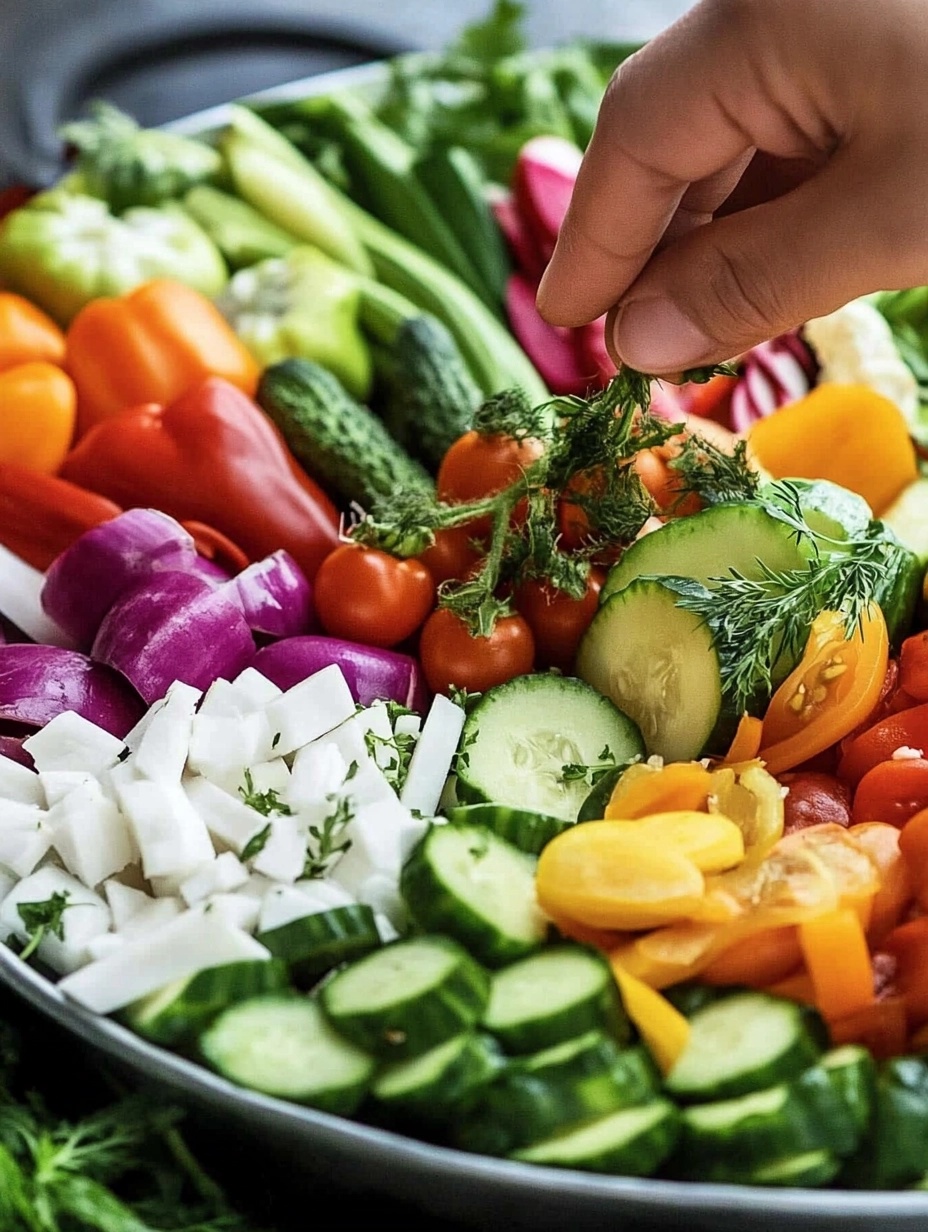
(372, 674)
(275, 596)
(39, 682)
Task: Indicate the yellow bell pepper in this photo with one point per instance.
(663, 1028)
(38, 406)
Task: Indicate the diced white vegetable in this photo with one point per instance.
(309, 710)
(368, 785)
(103, 946)
(57, 783)
(19, 783)
(84, 917)
(236, 910)
(134, 737)
(162, 750)
(431, 759)
(221, 700)
(7, 882)
(71, 742)
(382, 835)
(226, 873)
(273, 775)
(20, 601)
(170, 833)
(22, 848)
(123, 772)
(283, 856)
(222, 747)
(408, 725)
(257, 887)
(124, 901)
(17, 816)
(351, 737)
(153, 916)
(283, 904)
(318, 771)
(385, 928)
(256, 689)
(186, 945)
(91, 834)
(382, 894)
(230, 821)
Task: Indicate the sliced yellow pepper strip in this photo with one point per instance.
(663, 1028)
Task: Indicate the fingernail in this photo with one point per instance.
(653, 335)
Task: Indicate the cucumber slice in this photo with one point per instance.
(658, 664)
(593, 807)
(437, 1083)
(807, 1171)
(554, 995)
(528, 831)
(634, 1142)
(284, 1046)
(313, 944)
(407, 997)
(829, 511)
(894, 1152)
(176, 1014)
(907, 518)
(523, 738)
(739, 537)
(555, 1090)
(745, 1042)
(852, 1073)
(477, 888)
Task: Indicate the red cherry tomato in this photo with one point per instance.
(892, 792)
(913, 666)
(907, 729)
(557, 620)
(452, 656)
(452, 556)
(477, 465)
(369, 596)
(814, 798)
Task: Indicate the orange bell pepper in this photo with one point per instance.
(757, 960)
(846, 433)
(645, 789)
(880, 1027)
(837, 959)
(883, 844)
(746, 741)
(151, 345)
(26, 333)
(37, 412)
(210, 456)
(908, 944)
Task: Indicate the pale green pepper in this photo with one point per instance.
(301, 306)
(62, 250)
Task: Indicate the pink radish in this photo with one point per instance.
(550, 348)
(543, 182)
(772, 374)
(519, 239)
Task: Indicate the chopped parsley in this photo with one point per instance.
(42, 919)
(256, 844)
(263, 802)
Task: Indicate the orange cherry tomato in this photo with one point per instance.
(907, 729)
(908, 944)
(892, 792)
(913, 666)
(477, 465)
(835, 686)
(755, 961)
(452, 656)
(369, 596)
(557, 620)
(664, 484)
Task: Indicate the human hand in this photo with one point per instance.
(759, 163)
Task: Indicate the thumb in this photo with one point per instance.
(741, 279)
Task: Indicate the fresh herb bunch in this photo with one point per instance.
(590, 446)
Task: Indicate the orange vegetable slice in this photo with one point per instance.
(663, 1028)
(711, 841)
(838, 962)
(644, 789)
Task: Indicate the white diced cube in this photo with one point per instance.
(318, 772)
(134, 737)
(254, 689)
(19, 783)
(188, 944)
(22, 848)
(223, 747)
(283, 904)
(382, 894)
(408, 725)
(283, 856)
(162, 750)
(91, 835)
(222, 700)
(273, 775)
(432, 757)
(236, 910)
(84, 917)
(309, 710)
(170, 833)
(103, 946)
(124, 901)
(257, 887)
(154, 915)
(230, 821)
(226, 873)
(385, 928)
(381, 835)
(57, 783)
(70, 742)
(7, 882)
(17, 816)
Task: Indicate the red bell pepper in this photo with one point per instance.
(211, 456)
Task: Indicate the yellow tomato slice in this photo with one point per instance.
(752, 798)
(599, 875)
(710, 840)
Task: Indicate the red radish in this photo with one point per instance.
(550, 348)
(543, 182)
(592, 354)
(772, 375)
(519, 239)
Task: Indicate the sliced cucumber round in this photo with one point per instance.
(408, 997)
(740, 537)
(851, 1071)
(894, 1152)
(528, 743)
(474, 886)
(528, 831)
(831, 512)
(284, 1046)
(745, 1042)
(436, 1083)
(560, 992)
(807, 1171)
(313, 944)
(176, 1014)
(657, 662)
(633, 1142)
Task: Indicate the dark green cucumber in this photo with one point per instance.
(712, 544)
(658, 664)
(439, 1081)
(285, 1046)
(466, 882)
(899, 594)
(831, 512)
(528, 831)
(314, 944)
(593, 807)
(632, 1142)
(907, 518)
(336, 439)
(529, 743)
(408, 997)
(557, 1089)
(894, 1151)
(176, 1014)
(810, 1170)
(852, 1073)
(560, 992)
(430, 394)
(745, 1042)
